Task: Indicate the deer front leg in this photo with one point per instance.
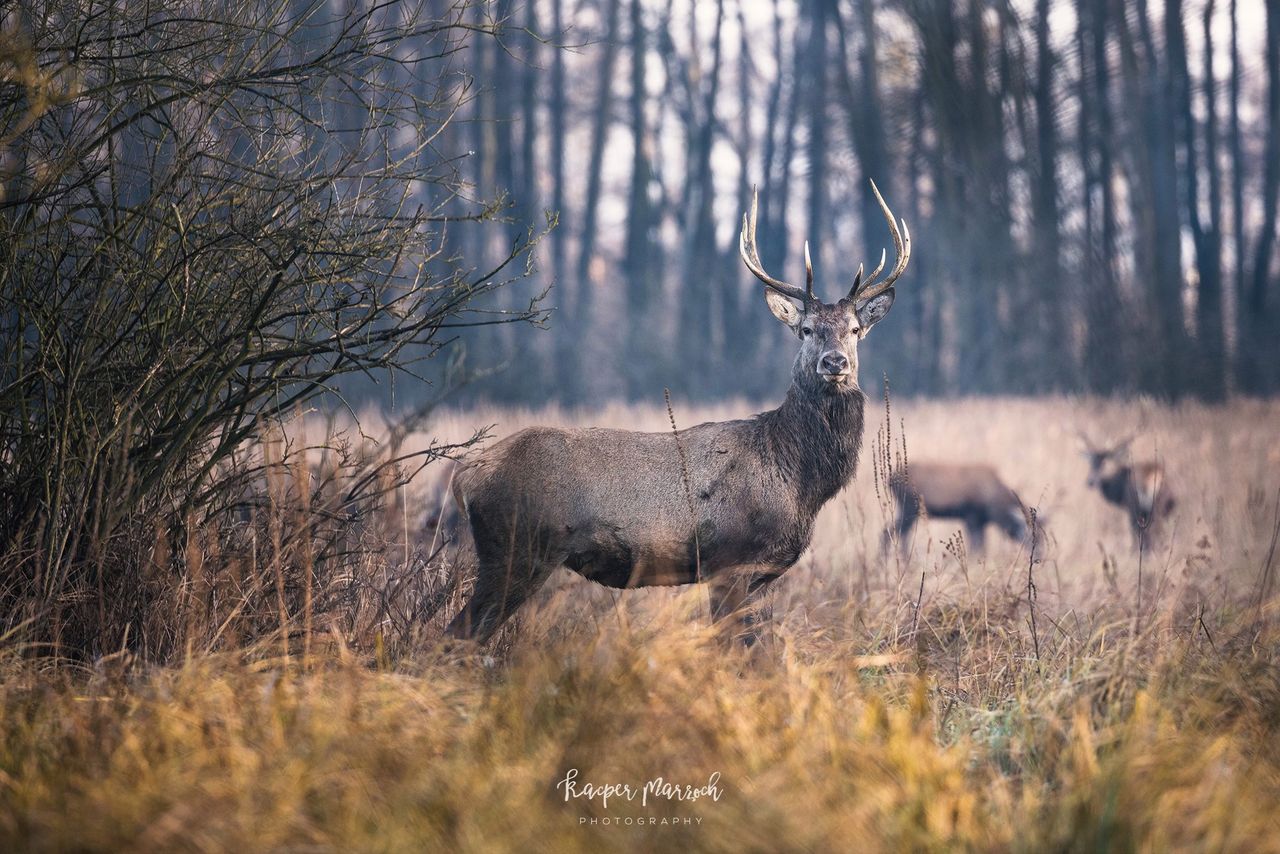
(736, 603)
(975, 531)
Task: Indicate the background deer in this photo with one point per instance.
(972, 493)
(1140, 488)
(731, 503)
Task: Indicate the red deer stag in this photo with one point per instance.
(729, 503)
(972, 493)
(1140, 488)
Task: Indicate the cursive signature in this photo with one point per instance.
(658, 789)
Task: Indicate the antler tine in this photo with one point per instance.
(808, 271)
(901, 245)
(857, 280)
(751, 257)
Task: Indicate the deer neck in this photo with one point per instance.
(1115, 487)
(814, 439)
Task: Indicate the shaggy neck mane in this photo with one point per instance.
(814, 440)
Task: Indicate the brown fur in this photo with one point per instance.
(1140, 488)
(731, 503)
(972, 493)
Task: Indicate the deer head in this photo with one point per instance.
(1105, 461)
(829, 332)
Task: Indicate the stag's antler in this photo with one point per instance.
(751, 257)
(863, 291)
(1123, 444)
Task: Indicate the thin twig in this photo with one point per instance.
(1142, 548)
(1031, 591)
(688, 489)
(1205, 629)
(915, 620)
(1264, 581)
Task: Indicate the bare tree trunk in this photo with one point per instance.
(1263, 344)
(1134, 148)
(702, 261)
(930, 353)
(866, 122)
(1209, 243)
(535, 348)
(771, 128)
(639, 244)
(473, 243)
(743, 313)
(1084, 141)
(776, 206)
(780, 243)
(1106, 261)
(1103, 351)
(1045, 202)
(1167, 362)
(1179, 84)
(1000, 260)
(951, 223)
(504, 113)
(1239, 244)
(817, 142)
(587, 370)
(529, 74)
(563, 297)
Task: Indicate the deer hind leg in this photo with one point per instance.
(499, 592)
(511, 568)
(1015, 526)
(975, 531)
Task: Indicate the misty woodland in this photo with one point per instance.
(638, 425)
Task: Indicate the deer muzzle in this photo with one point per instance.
(833, 366)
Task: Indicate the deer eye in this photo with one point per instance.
(806, 331)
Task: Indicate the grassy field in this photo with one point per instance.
(926, 700)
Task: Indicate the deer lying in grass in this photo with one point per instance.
(972, 493)
(1141, 488)
(729, 503)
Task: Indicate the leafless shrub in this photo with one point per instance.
(208, 215)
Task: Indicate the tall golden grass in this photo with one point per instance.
(929, 699)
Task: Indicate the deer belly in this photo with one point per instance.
(619, 565)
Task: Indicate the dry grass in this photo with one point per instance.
(876, 718)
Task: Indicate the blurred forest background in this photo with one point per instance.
(214, 215)
(1091, 186)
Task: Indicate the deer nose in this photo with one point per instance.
(833, 363)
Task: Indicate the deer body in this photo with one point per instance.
(612, 505)
(1141, 488)
(730, 503)
(972, 493)
(1143, 492)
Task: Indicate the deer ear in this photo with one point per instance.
(783, 309)
(870, 312)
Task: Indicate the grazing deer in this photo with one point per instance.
(730, 503)
(972, 493)
(1141, 488)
